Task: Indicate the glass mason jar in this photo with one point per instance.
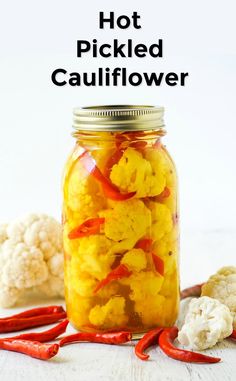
(120, 216)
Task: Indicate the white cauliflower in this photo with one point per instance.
(222, 286)
(31, 258)
(207, 322)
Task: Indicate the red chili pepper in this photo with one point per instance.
(105, 338)
(119, 272)
(145, 244)
(158, 263)
(163, 195)
(233, 334)
(166, 339)
(147, 341)
(30, 348)
(191, 291)
(110, 190)
(157, 144)
(44, 336)
(36, 312)
(113, 159)
(16, 324)
(139, 145)
(89, 227)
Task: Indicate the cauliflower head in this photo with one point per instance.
(207, 322)
(222, 286)
(126, 220)
(109, 315)
(134, 173)
(31, 258)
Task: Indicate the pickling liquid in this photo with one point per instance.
(121, 236)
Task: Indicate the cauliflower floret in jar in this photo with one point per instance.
(150, 310)
(126, 220)
(222, 286)
(161, 220)
(144, 284)
(135, 260)
(78, 309)
(110, 315)
(93, 256)
(207, 322)
(167, 250)
(83, 194)
(133, 173)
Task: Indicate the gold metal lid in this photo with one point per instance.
(118, 118)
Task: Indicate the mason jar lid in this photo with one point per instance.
(118, 118)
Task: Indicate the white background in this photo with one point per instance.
(35, 116)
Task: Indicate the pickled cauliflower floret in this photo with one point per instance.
(134, 173)
(83, 194)
(161, 220)
(92, 256)
(207, 322)
(144, 284)
(167, 249)
(222, 286)
(111, 314)
(151, 310)
(135, 260)
(126, 220)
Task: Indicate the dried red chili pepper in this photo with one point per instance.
(145, 244)
(104, 338)
(89, 227)
(233, 334)
(18, 324)
(119, 272)
(158, 263)
(30, 348)
(166, 339)
(193, 291)
(44, 336)
(147, 341)
(36, 312)
(110, 190)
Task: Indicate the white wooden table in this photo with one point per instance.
(96, 362)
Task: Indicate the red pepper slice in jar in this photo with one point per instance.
(146, 244)
(110, 190)
(166, 339)
(119, 272)
(113, 159)
(163, 195)
(158, 263)
(89, 227)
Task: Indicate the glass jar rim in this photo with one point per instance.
(118, 118)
